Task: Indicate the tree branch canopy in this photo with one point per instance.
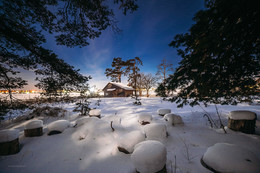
(71, 22)
(220, 55)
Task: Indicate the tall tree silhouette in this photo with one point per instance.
(220, 55)
(163, 69)
(117, 71)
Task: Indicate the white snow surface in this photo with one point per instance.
(8, 135)
(224, 157)
(129, 140)
(163, 111)
(94, 112)
(145, 117)
(84, 120)
(242, 115)
(173, 119)
(149, 156)
(155, 131)
(59, 125)
(92, 146)
(33, 124)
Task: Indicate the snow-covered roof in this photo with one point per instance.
(111, 89)
(121, 85)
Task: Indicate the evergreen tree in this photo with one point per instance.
(220, 55)
(118, 70)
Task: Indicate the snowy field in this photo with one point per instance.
(91, 145)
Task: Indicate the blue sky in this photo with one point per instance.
(146, 33)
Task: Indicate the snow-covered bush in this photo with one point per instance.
(144, 118)
(127, 142)
(8, 135)
(155, 131)
(162, 112)
(173, 119)
(223, 157)
(58, 126)
(242, 115)
(95, 112)
(34, 124)
(149, 156)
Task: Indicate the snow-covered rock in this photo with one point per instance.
(95, 112)
(33, 124)
(224, 157)
(8, 135)
(59, 125)
(163, 111)
(149, 156)
(156, 131)
(129, 140)
(144, 118)
(173, 119)
(242, 115)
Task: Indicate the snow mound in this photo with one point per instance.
(59, 125)
(144, 118)
(129, 140)
(155, 131)
(95, 112)
(242, 115)
(34, 124)
(8, 135)
(84, 120)
(173, 119)
(114, 118)
(149, 156)
(163, 111)
(224, 157)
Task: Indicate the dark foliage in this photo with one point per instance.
(24, 24)
(220, 55)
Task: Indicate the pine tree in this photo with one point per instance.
(117, 71)
(220, 55)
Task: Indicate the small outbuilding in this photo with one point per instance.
(113, 89)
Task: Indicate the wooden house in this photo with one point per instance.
(113, 89)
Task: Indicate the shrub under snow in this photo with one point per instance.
(33, 124)
(149, 156)
(59, 125)
(8, 135)
(223, 157)
(242, 115)
(163, 111)
(156, 131)
(173, 119)
(129, 140)
(144, 118)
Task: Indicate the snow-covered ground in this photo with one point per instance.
(92, 145)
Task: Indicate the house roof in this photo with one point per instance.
(120, 85)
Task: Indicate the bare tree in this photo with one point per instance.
(148, 82)
(163, 69)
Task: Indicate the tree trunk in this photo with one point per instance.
(33, 132)
(8, 148)
(147, 92)
(245, 126)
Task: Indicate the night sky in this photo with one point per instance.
(146, 33)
